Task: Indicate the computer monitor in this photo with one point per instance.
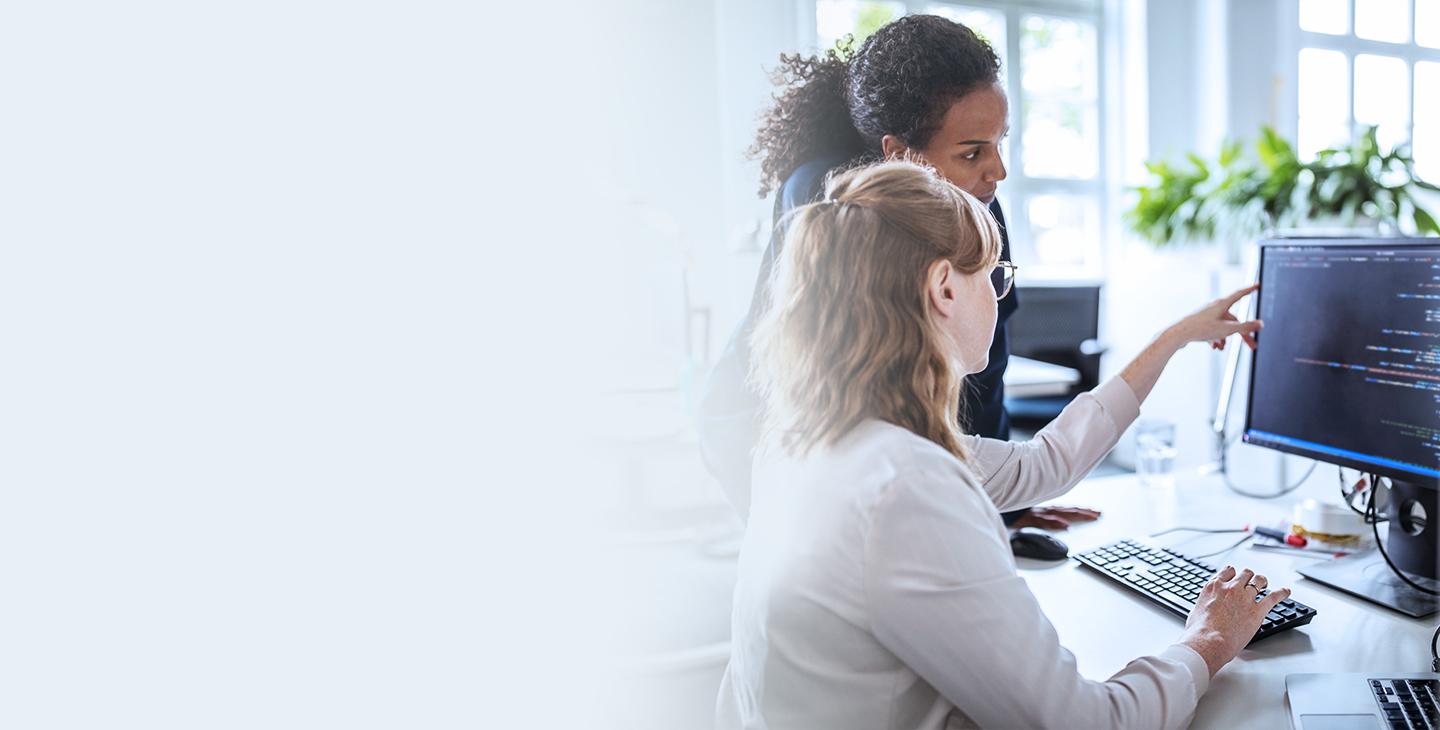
(1348, 372)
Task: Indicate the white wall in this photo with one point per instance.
(1216, 70)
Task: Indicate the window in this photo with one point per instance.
(1054, 196)
(835, 18)
(1370, 62)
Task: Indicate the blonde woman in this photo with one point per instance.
(876, 585)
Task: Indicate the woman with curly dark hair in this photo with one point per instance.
(924, 87)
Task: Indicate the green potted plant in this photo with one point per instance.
(1239, 196)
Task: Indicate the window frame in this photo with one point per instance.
(1351, 46)
(1018, 188)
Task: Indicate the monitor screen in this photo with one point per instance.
(1348, 365)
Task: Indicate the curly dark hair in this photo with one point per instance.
(841, 103)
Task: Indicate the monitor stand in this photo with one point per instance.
(1366, 575)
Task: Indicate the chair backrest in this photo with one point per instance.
(1060, 324)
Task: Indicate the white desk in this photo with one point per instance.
(1106, 626)
(1026, 378)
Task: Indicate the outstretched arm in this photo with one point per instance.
(1212, 323)
(1061, 454)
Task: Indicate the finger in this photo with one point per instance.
(1225, 574)
(1246, 330)
(1228, 316)
(1244, 577)
(1275, 597)
(1050, 523)
(1069, 508)
(1074, 513)
(1260, 581)
(1239, 294)
(1248, 327)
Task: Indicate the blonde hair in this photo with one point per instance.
(848, 333)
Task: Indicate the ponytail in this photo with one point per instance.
(810, 117)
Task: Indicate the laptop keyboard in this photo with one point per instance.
(1408, 704)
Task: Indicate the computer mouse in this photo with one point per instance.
(1032, 542)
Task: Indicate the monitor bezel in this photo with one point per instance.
(1323, 242)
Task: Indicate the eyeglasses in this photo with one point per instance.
(1003, 278)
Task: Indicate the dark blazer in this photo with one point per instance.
(730, 410)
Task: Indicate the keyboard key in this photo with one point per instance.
(1167, 595)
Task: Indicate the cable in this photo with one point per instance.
(1371, 515)
(1237, 543)
(1193, 529)
(1225, 473)
(1375, 526)
(1434, 656)
(1224, 469)
(1348, 497)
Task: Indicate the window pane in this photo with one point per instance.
(1059, 78)
(1061, 139)
(1427, 23)
(835, 18)
(1382, 96)
(1383, 20)
(988, 24)
(1058, 57)
(1324, 83)
(1427, 122)
(1064, 230)
(1325, 16)
(1324, 99)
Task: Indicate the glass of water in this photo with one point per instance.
(1155, 452)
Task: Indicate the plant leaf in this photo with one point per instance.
(1424, 222)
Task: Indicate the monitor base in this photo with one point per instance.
(1365, 575)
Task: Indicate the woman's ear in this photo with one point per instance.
(941, 287)
(891, 147)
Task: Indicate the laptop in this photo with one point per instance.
(1389, 701)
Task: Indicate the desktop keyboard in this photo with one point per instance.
(1173, 581)
(1408, 704)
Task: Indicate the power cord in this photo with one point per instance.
(1225, 473)
(1195, 529)
(1234, 545)
(1434, 656)
(1373, 518)
(1348, 495)
(1223, 466)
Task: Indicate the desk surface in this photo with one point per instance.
(1026, 378)
(1106, 627)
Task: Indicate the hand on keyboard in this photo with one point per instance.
(1227, 615)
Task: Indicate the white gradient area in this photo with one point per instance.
(293, 346)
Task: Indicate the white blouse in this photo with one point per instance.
(877, 590)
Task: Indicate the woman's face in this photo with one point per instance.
(965, 308)
(966, 149)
